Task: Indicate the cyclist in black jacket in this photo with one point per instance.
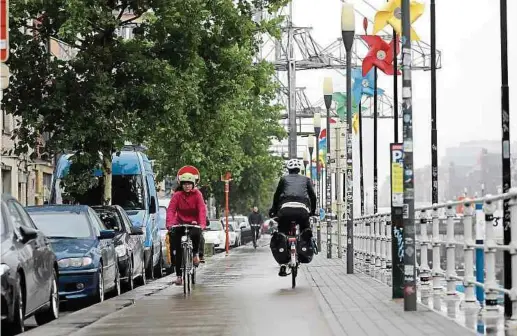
(294, 200)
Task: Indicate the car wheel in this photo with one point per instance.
(158, 270)
(130, 283)
(149, 272)
(17, 326)
(99, 296)
(142, 279)
(52, 312)
(116, 290)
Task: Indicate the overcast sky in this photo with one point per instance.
(468, 34)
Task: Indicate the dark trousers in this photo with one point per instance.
(255, 231)
(175, 239)
(300, 216)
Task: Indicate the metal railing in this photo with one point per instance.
(373, 250)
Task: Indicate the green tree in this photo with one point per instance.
(185, 84)
(230, 115)
(108, 93)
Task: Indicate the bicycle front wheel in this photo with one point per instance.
(184, 268)
(294, 273)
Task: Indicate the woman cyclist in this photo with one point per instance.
(186, 207)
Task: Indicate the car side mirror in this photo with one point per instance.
(242, 226)
(152, 207)
(28, 234)
(135, 230)
(107, 234)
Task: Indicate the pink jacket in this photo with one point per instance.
(185, 208)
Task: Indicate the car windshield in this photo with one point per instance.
(163, 218)
(110, 219)
(128, 192)
(214, 226)
(60, 224)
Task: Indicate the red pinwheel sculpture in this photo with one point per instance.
(380, 54)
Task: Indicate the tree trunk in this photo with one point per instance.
(108, 177)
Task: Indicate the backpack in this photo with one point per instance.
(279, 248)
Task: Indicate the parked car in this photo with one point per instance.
(28, 270)
(245, 228)
(133, 188)
(165, 239)
(129, 244)
(213, 234)
(237, 231)
(84, 249)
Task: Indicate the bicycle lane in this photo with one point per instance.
(241, 294)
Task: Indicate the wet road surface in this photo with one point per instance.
(236, 295)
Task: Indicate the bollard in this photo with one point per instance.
(437, 271)
(491, 287)
(511, 324)
(451, 252)
(468, 250)
(425, 275)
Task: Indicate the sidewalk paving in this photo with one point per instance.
(357, 305)
(242, 295)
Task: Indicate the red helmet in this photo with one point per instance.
(188, 174)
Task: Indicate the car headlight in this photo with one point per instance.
(74, 262)
(121, 250)
(4, 269)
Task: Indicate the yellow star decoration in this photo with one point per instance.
(392, 13)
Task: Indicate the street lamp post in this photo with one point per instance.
(348, 33)
(327, 97)
(317, 129)
(305, 162)
(410, 296)
(506, 160)
(310, 145)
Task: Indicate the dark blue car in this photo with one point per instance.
(84, 249)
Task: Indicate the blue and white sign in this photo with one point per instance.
(322, 214)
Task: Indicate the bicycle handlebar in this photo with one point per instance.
(186, 225)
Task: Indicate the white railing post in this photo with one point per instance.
(378, 220)
(383, 248)
(388, 250)
(372, 245)
(359, 242)
(491, 287)
(425, 272)
(512, 323)
(437, 271)
(451, 252)
(468, 250)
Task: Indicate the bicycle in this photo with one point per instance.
(187, 263)
(292, 240)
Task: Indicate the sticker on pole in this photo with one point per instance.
(4, 30)
(397, 175)
(322, 214)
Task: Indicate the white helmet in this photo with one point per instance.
(294, 164)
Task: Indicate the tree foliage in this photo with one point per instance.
(185, 84)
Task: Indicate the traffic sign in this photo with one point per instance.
(4, 76)
(4, 30)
